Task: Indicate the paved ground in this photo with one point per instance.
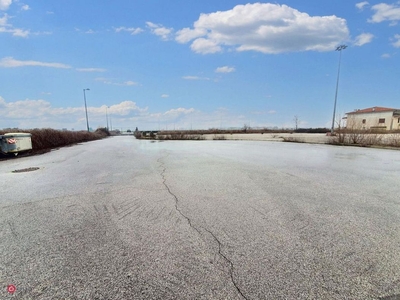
(128, 219)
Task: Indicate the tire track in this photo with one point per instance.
(12, 229)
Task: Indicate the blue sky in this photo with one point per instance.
(194, 64)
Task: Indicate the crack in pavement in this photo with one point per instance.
(230, 263)
(175, 197)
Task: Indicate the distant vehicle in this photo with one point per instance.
(13, 143)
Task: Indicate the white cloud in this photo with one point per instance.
(164, 96)
(176, 114)
(30, 113)
(90, 31)
(225, 69)
(396, 42)
(361, 5)
(205, 46)
(159, 30)
(40, 113)
(91, 70)
(19, 32)
(130, 83)
(25, 7)
(266, 28)
(104, 80)
(272, 112)
(386, 55)
(124, 108)
(42, 33)
(363, 39)
(5, 4)
(195, 78)
(178, 111)
(385, 12)
(125, 83)
(4, 20)
(132, 31)
(9, 62)
(186, 34)
(15, 31)
(5, 27)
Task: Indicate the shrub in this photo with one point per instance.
(393, 140)
(180, 136)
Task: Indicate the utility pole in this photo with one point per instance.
(84, 98)
(340, 48)
(107, 116)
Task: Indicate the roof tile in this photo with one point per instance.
(371, 110)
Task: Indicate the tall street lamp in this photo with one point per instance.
(84, 97)
(107, 116)
(340, 48)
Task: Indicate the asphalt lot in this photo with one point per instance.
(127, 219)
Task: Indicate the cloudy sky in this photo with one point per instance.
(194, 64)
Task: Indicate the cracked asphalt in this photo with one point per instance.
(127, 219)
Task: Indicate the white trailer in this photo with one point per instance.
(15, 142)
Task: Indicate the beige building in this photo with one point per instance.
(378, 118)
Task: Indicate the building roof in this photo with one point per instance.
(371, 110)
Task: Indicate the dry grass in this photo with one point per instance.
(244, 130)
(366, 138)
(219, 134)
(393, 140)
(293, 139)
(180, 136)
(44, 140)
(219, 137)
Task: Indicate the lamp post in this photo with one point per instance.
(84, 97)
(339, 48)
(107, 116)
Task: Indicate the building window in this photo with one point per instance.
(364, 121)
(381, 121)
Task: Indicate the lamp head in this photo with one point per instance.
(341, 47)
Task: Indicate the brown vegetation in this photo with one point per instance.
(354, 134)
(245, 129)
(219, 137)
(180, 136)
(44, 140)
(219, 134)
(366, 138)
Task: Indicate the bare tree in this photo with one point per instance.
(355, 134)
(246, 127)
